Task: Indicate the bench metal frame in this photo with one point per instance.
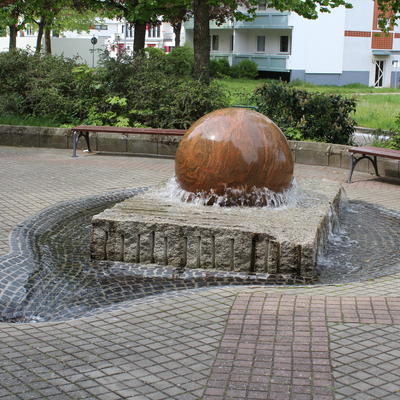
(354, 160)
(76, 135)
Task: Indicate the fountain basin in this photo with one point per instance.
(280, 243)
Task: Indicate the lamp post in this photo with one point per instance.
(93, 40)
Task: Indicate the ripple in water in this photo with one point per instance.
(366, 245)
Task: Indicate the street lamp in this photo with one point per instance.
(93, 40)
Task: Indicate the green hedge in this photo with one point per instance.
(144, 90)
(220, 68)
(306, 115)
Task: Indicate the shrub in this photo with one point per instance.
(181, 60)
(128, 91)
(42, 85)
(154, 52)
(315, 116)
(394, 141)
(245, 69)
(220, 68)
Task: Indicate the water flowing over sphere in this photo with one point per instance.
(234, 152)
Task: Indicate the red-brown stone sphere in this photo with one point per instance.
(234, 148)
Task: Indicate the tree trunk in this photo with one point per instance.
(40, 35)
(47, 40)
(140, 36)
(201, 40)
(13, 37)
(177, 31)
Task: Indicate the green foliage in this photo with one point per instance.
(181, 60)
(300, 83)
(356, 86)
(220, 68)
(394, 141)
(139, 90)
(307, 115)
(245, 69)
(154, 52)
(37, 85)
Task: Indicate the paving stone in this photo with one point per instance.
(37, 360)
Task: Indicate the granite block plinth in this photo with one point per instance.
(152, 228)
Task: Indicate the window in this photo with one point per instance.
(101, 27)
(128, 29)
(231, 43)
(261, 43)
(284, 46)
(262, 6)
(29, 30)
(214, 42)
(154, 31)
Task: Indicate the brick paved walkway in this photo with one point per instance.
(321, 342)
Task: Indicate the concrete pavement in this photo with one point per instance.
(248, 342)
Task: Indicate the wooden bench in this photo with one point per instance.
(85, 130)
(370, 153)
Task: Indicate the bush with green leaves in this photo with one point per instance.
(219, 68)
(306, 115)
(142, 90)
(154, 52)
(181, 61)
(245, 69)
(38, 85)
(393, 142)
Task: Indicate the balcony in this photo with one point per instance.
(265, 62)
(226, 25)
(168, 36)
(269, 20)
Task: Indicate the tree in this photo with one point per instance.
(137, 13)
(389, 13)
(14, 14)
(59, 16)
(176, 13)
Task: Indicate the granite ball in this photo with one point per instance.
(233, 150)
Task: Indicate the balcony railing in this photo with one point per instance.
(271, 20)
(265, 62)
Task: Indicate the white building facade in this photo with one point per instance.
(113, 35)
(339, 48)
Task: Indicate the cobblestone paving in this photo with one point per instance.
(32, 179)
(365, 360)
(171, 347)
(153, 350)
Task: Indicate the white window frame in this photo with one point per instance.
(263, 43)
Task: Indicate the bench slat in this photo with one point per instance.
(376, 151)
(126, 130)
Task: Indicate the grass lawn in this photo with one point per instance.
(373, 111)
(377, 111)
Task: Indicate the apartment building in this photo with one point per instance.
(339, 48)
(111, 34)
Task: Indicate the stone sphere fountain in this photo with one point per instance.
(236, 158)
(234, 153)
